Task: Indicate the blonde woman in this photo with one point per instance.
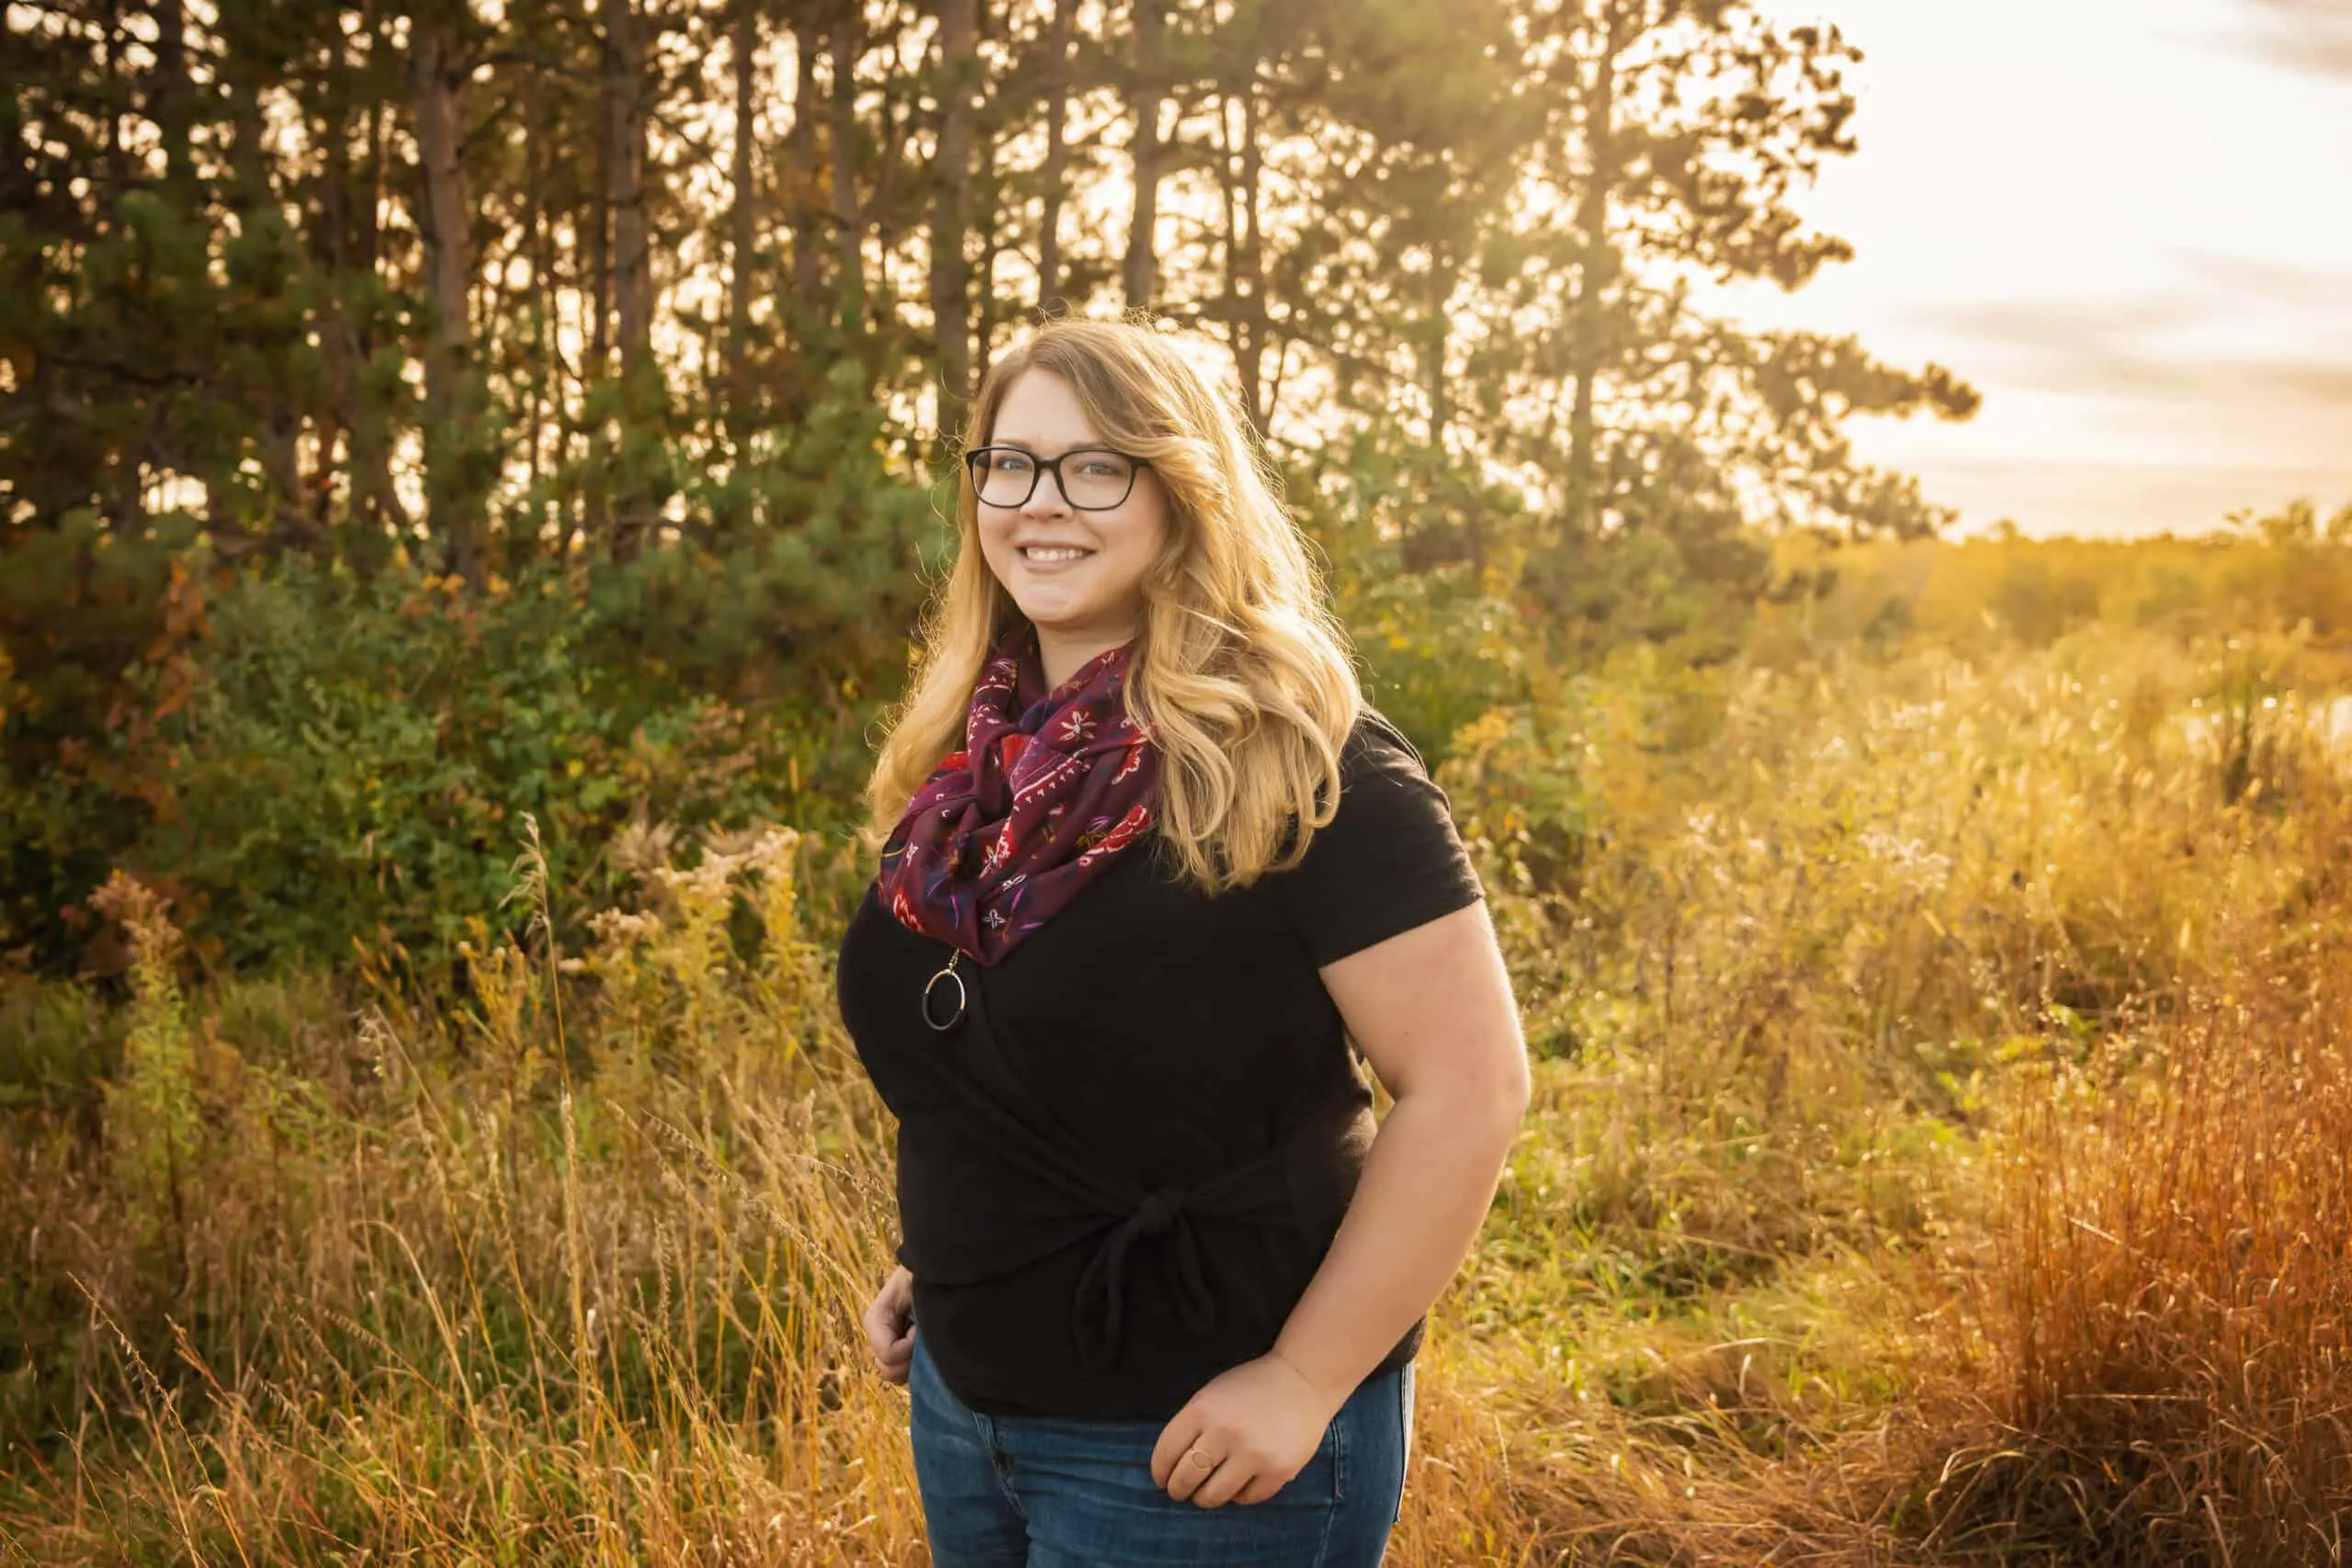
(1148, 861)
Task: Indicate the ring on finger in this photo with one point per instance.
(1197, 1457)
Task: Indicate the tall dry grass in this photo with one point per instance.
(2170, 1303)
(2172, 1297)
(1850, 967)
(498, 1285)
(1938, 1154)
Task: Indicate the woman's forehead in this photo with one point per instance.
(1040, 410)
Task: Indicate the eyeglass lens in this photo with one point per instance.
(1005, 475)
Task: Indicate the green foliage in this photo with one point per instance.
(362, 753)
(338, 758)
(1413, 551)
(97, 632)
(151, 1105)
(58, 1042)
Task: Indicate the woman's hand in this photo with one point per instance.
(1257, 1424)
(890, 1325)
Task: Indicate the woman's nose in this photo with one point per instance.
(1045, 500)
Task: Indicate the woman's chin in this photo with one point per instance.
(1053, 612)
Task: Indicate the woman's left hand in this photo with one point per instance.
(1257, 1426)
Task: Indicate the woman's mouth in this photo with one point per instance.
(1053, 555)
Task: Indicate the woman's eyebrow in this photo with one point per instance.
(1031, 448)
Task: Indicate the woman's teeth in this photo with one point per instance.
(1038, 553)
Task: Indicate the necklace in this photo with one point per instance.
(963, 996)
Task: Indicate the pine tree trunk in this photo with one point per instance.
(951, 275)
(807, 275)
(1595, 272)
(596, 496)
(1436, 387)
(329, 243)
(535, 159)
(169, 105)
(740, 415)
(1251, 326)
(846, 42)
(1049, 240)
(1139, 275)
(625, 109)
(443, 212)
(634, 511)
(988, 218)
(379, 518)
(270, 403)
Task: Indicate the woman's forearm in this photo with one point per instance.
(1424, 1190)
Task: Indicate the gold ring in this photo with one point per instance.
(1197, 1455)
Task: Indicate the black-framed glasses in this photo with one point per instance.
(1096, 480)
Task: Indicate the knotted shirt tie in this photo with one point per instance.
(1258, 1193)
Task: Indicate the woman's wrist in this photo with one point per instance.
(1328, 1387)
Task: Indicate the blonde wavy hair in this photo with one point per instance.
(1240, 670)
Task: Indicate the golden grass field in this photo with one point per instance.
(1941, 1153)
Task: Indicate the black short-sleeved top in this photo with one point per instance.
(1118, 1172)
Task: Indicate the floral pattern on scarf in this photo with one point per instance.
(1049, 789)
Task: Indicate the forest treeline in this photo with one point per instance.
(414, 415)
(510, 280)
(384, 383)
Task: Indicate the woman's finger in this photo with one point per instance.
(1223, 1483)
(1193, 1468)
(1174, 1439)
(896, 1300)
(878, 1332)
(899, 1359)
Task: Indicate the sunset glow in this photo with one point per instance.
(2123, 221)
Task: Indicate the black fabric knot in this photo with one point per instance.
(1101, 1295)
(1160, 1209)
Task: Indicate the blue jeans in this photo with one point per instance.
(1038, 1492)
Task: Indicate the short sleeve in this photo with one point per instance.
(1389, 861)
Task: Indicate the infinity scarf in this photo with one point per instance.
(1049, 789)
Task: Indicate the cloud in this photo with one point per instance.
(2117, 349)
(2297, 289)
(2324, 386)
(2311, 36)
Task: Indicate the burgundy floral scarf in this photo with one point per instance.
(1049, 789)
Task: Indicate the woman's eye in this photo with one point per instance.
(1009, 463)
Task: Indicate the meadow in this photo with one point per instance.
(470, 475)
(1940, 1151)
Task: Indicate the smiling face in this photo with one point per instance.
(1078, 576)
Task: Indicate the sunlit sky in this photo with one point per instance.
(2128, 223)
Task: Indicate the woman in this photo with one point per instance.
(1148, 861)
